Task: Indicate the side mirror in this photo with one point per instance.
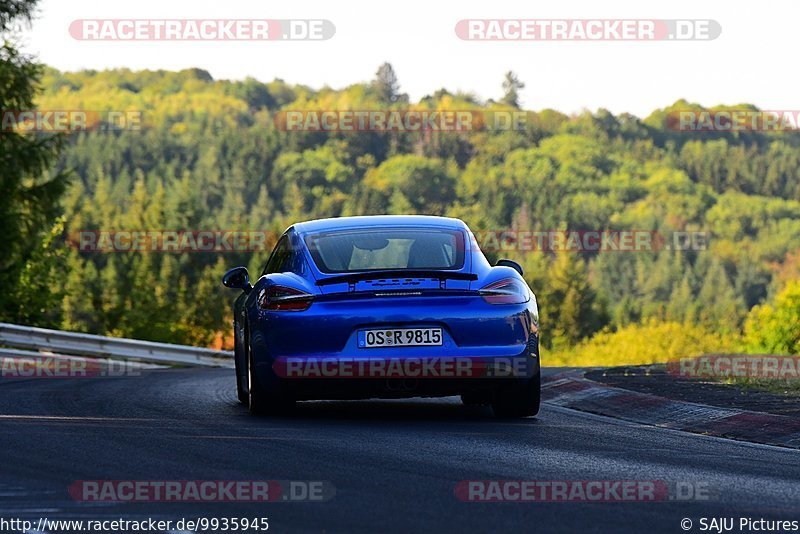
(237, 278)
(511, 263)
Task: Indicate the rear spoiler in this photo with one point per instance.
(397, 273)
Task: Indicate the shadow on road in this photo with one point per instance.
(449, 409)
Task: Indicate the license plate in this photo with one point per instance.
(400, 337)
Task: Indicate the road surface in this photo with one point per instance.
(394, 464)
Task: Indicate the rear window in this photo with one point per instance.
(381, 248)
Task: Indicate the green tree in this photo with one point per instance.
(386, 84)
(427, 185)
(721, 307)
(80, 288)
(36, 299)
(681, 305)
(29, 195)
(511, 88)
(570, 309)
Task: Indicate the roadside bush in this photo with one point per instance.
(775, 328)
(650, 342)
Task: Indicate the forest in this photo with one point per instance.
(212, 155)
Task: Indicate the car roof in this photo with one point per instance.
(341, 223)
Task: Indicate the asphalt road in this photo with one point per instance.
(394, 464)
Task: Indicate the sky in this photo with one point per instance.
(751, 61)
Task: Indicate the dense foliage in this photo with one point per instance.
(209, 156)
(30, 196)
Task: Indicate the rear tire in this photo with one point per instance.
(260, 402)
(241, 394)
(518, 400)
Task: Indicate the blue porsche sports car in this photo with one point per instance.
(385, 307)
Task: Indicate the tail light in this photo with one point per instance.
(506, 291)
(282, 298)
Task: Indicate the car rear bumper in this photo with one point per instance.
(390, 388)
(394, 377)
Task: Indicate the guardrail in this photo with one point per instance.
(61, 342)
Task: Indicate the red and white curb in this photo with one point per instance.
(572, 390)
